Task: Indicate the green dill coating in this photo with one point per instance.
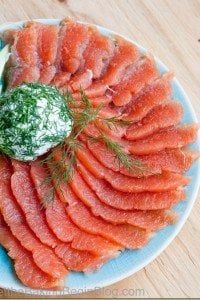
(33, 118)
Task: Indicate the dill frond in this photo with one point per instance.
(124, 159)
(116, 121)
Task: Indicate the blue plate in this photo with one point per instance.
(128, 262)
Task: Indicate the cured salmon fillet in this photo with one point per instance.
(168, 138)
(98, 126)
(43, 256)
(60, 79)
(31, 206)
(25, 267)
(174, 160)
(79, 260)
(145, 219)
(125, 55)
(143, 74)
(23, 61)
(155, 183)
(97, 89)
(84, 260)
(113, 130)
(162, 116)
(74, 39)
(24, 48)
(123, 234)
(47, 51)
(153, 95)
(25, 194)
(47, 73)
(81, 81)
(48, 44)
(98, 53)
(130, 201)
(62, 225)
(26, 74)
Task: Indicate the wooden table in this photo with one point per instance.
(171, 30)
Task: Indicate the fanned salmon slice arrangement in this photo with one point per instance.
(106, 207)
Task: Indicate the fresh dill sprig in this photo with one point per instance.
(82, 117)
(124, 159)
(115, 121)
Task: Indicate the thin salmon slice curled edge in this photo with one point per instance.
(23, 62)
(123, 234)
(174, 160)
(154, 183)
(74, 39)
(26, 269)
(162, 116)
(131, 201)
(144, 73)
(27, 198)
(43, 256)
(62, 225)
(156, 93)
(125, 55)
(175, 137)
(145, 219)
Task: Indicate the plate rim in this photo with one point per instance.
(193, 198)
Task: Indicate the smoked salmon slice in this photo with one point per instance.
(97, 89)
(23, 61)
(123, 234)
(74, 39)
(25, 194)
(113, 130)
(79, 260)
(43, 256)
(174, 160)
(143, 219)
(129, 201)
(162, 116)
(61, 224)
(47, 73)
(47, 44)
(25, 267)
(47, 51)
(168, 138)
(154, 183)
(143, 74)
(153, 95)
(30, 204)
(81, 81)
(26, 74)
(98, 53)
(24, 48)
(125, 55)
(60, 79)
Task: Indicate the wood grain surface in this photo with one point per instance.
(171, 30)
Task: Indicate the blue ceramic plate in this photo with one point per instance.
(128, 262)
